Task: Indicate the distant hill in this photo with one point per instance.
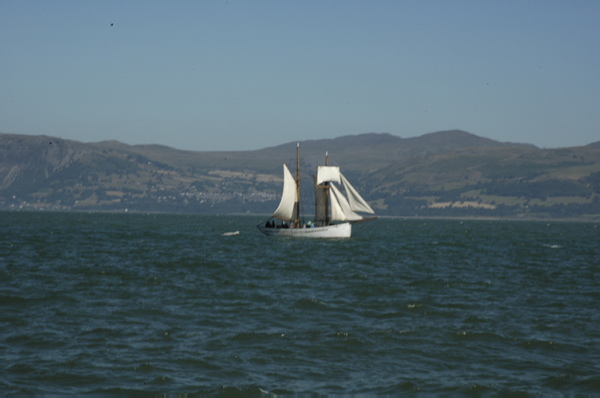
(447, 173)
(595, 145)
(372, 151)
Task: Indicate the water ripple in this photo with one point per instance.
(163, 304)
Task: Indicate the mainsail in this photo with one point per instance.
(320, 203)
(287, 206)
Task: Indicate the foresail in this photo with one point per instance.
(287, 205)
(357, 203)
(328, 174)
(337, 214)
(340, 209)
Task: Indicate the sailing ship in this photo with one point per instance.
(335, 213)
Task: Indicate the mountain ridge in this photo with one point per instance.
(399, 176)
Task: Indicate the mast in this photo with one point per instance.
(326, 193)
(298, 184)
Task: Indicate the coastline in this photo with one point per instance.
(592, 219)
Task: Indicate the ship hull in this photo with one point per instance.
(343, 230)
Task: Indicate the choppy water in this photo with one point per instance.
(126, 303)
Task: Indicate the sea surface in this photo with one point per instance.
(138, 304)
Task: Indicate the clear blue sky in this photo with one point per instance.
(241, 75)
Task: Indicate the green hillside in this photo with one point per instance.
(449, 173)
(494, 181)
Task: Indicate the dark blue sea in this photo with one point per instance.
(148, 304)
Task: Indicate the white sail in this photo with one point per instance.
(327, 174)
(357, 203)
(288, 198)
(342, 211)
(337, 214)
